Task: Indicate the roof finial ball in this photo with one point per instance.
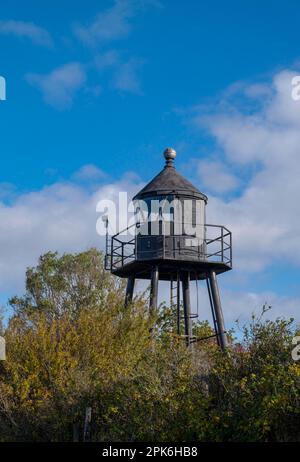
(169, 155)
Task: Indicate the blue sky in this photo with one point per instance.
(97, 89)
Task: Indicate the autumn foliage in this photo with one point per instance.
(72, 345)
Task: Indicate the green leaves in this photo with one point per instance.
(71, 345)
(65, 284)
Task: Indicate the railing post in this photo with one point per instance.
(111, 253)
(230, 249)
(222, 244)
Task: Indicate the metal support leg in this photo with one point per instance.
(154, 289)
(129, 290)
(187, 308)
(178, 304)
(218, 310)
(212, 309)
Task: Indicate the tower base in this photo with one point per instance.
(183, 278)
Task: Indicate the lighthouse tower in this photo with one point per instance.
(172, 242)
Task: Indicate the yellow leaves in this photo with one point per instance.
(266, 427)
(294, 369)
(113, 409)
(243, 383)
(139, 386)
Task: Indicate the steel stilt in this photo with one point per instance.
(129, 290)
(178, 303)
(187, 308)
(219, 320)
(154, 289)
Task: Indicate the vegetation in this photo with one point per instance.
(72, 345)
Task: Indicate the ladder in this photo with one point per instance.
(175, 299)
(108, 250)
(176, 305)
(195, 314)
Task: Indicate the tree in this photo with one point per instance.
(256, 387)
(71, 344)
(65, 284)
(69, 339)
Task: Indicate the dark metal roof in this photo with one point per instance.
(169, 181)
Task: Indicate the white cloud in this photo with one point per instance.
(107, 60)
(7, 191)
(216, 176)
(59, 87)
(126, 76)
(89, 172)
(60, 217)
(113, 23)
(237, 305)
(265, 217)
(29, 30)
(110, 25)
(63, 217)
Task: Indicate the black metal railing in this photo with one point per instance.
(214, 246)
